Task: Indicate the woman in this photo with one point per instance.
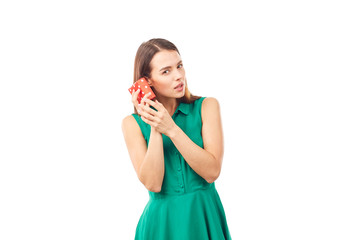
(175, 143)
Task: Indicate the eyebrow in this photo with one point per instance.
(169, 66)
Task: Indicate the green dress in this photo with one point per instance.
(187, 207)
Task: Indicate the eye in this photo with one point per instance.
(180, 65)
(165, 72)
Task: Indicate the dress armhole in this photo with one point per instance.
(201, 100)
(138, 120)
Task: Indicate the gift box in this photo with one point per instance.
(144, 89)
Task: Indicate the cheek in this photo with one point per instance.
(164, 85)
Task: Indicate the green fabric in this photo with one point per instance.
(188, 207)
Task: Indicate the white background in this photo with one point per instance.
(286, 74)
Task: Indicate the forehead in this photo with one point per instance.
(165, 58)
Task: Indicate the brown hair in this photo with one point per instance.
(145, 54)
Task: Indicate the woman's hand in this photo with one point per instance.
(134, 97)
(160, 119)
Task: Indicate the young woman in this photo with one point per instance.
(175, 143)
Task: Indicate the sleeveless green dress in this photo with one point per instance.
(187, 207)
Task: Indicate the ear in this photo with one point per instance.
(149, 81)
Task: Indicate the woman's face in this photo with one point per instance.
(167, 73)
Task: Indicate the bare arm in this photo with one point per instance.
(205, 161)
(148, 161)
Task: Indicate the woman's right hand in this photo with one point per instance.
(136, 103)
(141, 105)
(134, 97)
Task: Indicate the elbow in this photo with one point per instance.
(213, 177)
(153, 188)
(151, 183)
(215, 172)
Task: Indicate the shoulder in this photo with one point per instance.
(210, 109)
(129, 123)
(128, 120)
(210, 104)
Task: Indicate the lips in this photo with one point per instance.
(179, 86)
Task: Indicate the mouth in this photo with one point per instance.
(179, 86)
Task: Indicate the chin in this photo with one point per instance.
(181, 95)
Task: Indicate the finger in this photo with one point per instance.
(146, 120)
(149, 103)
(135, 96)
(147, 115)
(157, 105)
(149, 110)
(144, 98)
(134, 92)
(139, 108)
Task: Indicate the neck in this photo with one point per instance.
(170, 104)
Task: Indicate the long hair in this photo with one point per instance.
(145, 54)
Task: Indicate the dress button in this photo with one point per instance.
(182, 186)
(179, 169)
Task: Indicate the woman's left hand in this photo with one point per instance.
(160, 119)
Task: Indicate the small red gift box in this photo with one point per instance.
(144, 89)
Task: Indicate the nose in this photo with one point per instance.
(179, 74)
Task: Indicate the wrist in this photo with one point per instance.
(174, 132)
(154, 131)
